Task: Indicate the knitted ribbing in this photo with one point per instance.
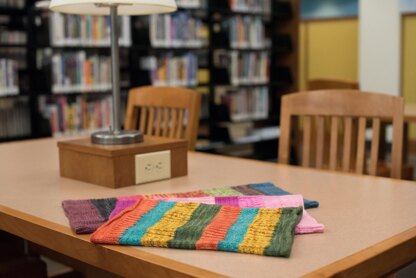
(187, 225)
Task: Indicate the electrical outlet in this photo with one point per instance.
(152, 166)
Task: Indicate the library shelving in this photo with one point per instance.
(71, 70)
(15, 104)
(253, 59)
(241, 55)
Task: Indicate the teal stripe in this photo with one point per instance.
(237, 231)
(187, 235)
(134, 234)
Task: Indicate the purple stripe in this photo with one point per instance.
(83, 216)
(121, 205)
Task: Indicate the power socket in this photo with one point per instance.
(152, 166)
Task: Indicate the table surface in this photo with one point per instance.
(359, 212)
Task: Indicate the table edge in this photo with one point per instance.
(377, 260)
(62, 239)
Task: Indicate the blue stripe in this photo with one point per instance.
(272, 190)
(237, 231)
(134, 234)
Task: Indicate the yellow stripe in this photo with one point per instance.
(260, 232)
(160, 234)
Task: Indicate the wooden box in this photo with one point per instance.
(114, 165)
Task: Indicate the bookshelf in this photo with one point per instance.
(15, 104)
(240, 55)
(253, 62)
(70, 58)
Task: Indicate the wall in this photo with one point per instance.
(340, 47)
(380, 46)
(409, 63)
(328, 40)
(407, 6)
(329, 49)
(409, 58)
(319, 9)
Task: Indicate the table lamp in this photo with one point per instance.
(114, 136)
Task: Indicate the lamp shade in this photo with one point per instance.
(125, 7)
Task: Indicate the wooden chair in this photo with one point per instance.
(325, 84)
(349, 108)
(164, 111)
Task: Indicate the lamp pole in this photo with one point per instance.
(115, 69)
(115, 135)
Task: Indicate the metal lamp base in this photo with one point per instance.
(119, 138)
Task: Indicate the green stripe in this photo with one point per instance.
(282, 240)
(187, 235)
(224, 191)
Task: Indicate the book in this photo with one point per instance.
(169, 69)
(244, 103)
(247, 32)
(9, 77)
(179, 29)
(252, 6)
(18, 4)
(244, 68)
(79, 116)
(86, 30)
(79, 72)
(14, 117)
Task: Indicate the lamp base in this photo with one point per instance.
(119, 138)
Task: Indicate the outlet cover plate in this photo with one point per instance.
(153, 166)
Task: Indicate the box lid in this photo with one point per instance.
(150, 144)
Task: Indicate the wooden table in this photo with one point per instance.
(370, 222)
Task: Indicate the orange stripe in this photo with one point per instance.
(217, 230)
(112, 231)
(158, 196)
(198, 193)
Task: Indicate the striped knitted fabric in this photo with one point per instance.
(307, 224)
(85, 216)
(155, 223)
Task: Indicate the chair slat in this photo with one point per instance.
(150, 121)
(173, 123)
(333, 151)
(143, 118)
(346, 153)
(352, 108)
(179, 128)
(375, 144)
(164, 101)
(159, 112)
(360, 161)
(320, 128)
(306, 149)
(166, 122)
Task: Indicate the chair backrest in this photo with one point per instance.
(327, 84)
(165, 112)
(345, 109)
